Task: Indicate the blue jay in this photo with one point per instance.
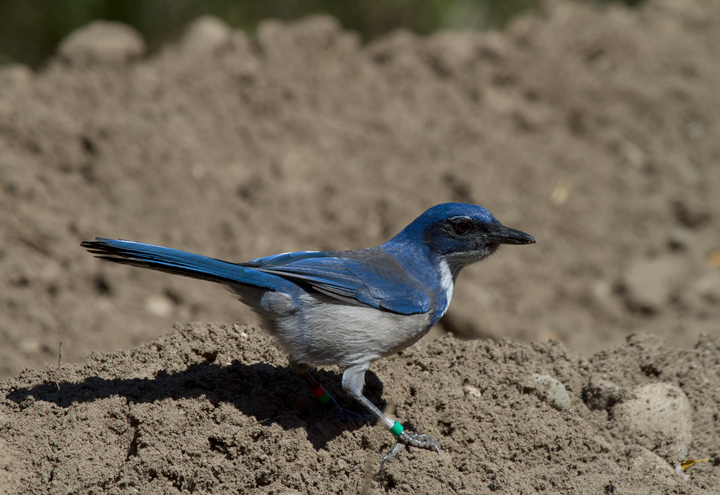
(347, 308)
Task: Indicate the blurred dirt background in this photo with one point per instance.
(594, 129)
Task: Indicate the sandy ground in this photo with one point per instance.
(215, 409)
(595, 130)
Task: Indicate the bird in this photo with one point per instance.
(346, 308)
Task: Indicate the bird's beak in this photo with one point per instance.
(506, 235)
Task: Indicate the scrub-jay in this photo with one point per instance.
(347, 308)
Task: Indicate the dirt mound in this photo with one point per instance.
(595, 130)
(303, 139)
(212, 409)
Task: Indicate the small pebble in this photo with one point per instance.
(551, 391)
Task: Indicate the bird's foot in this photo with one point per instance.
(420, 440)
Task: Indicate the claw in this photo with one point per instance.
(399, 447)
(420, 440)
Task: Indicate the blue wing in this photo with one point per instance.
(368, 277)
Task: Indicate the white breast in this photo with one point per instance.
(447, 283)
(345, 334)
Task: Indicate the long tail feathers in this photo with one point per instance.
(177, 262)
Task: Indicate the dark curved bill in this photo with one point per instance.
(506, 235)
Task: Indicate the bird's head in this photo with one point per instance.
(460, 234)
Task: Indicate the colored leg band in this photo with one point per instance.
(397, 429)
(321, 395)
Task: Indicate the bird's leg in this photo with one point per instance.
(353, 383)
(325, 398)
(315, 388)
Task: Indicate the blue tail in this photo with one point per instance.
(179, 262)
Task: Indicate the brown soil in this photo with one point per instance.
(302, 139)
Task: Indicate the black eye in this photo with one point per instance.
(462, 227)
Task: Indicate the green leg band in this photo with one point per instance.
(324, 398)
(397, 429)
